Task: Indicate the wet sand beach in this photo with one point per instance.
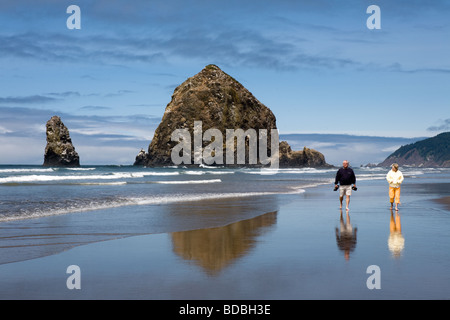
(445, 201)
(292, 247)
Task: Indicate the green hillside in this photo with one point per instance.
(432, 152)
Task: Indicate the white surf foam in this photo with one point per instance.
(365, 177)
(202, 172)
(150, 173)
(272, 171)
(413, 172)
(212, 196)
(25, 170)
(47, 178)
(102, 204)
(202, 165)
(112, 176)
(221, 172)
(118, 183)
(195, 173)
(189, 181)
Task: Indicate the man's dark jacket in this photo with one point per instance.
(345, 177)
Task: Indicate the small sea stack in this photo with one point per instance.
(59, 151)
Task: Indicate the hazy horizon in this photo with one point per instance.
(360, 150)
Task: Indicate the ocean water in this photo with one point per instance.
(34, 192)
(189, 231)
(29, 192)
(44, 211)
(128, 193)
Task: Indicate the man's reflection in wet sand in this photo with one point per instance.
(346, 235)
(396, 241)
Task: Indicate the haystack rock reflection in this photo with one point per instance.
(396, 241)
(216, 248)
(346, 235)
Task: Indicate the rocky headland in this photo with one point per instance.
(429, 153)
(59, 151)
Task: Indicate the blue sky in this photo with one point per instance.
(314, 63)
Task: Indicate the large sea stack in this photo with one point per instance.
(218, 101)
(59, 151)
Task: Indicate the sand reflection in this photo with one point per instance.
(213, 249)
(346, 235)
(396, 241)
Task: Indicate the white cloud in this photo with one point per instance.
(4, 130)
(21, 150)
(109, 155)
(359, 150)
(391, 149)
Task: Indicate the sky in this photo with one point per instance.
(314, 63)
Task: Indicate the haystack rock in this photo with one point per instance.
(217, 101)
(59, 151)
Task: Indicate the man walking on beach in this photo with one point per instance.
(345, 178)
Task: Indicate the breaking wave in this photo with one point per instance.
(85, 205)
(110, 176)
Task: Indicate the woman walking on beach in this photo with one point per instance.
(395, 179)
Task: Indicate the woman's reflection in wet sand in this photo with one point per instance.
(346, 235)
(396, 241)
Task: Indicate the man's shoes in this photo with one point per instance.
(354, 188)
(335, 188)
